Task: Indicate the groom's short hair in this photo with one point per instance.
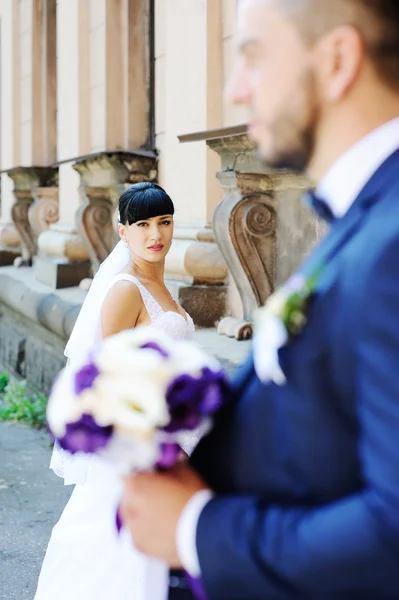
(376, 20)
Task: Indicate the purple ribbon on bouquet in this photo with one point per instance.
(196, 586)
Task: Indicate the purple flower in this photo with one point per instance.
(85, 436)
(196, 586)
(154, 346)
(118, 520)
(191, 398)
(85, 377)
(216, 391)
(170, 452)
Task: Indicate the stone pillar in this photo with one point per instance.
(9, 238)
(262, 228)
(103, 178)
(103, 105)
(62, 259)
(10, 242)
(28, 207)
(34, 83)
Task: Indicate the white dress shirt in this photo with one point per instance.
(339, 189)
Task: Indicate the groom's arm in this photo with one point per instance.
(250, 550)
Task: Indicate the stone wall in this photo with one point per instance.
(34, 327)
(297, 232)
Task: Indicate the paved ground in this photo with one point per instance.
(31, 500)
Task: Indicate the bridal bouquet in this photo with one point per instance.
(135, 398)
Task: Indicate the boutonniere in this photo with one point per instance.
(282, 318)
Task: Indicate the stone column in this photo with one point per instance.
(262, 228)
(62, 259)
(9, 238)
(28, 207)
(103, 178)
(103, 106)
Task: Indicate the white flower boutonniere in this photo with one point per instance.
(279, 320)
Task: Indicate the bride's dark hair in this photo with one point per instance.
(143, 201)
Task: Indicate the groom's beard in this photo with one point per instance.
(293, 131)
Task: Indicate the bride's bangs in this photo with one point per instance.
(144, 201)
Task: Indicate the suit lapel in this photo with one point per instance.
(343, 229)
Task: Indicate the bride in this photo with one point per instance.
(85, 558)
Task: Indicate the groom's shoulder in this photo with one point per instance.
(380, 228)
(371, 256)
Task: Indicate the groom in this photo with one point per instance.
(295, 492)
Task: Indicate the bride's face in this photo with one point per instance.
(151, 239)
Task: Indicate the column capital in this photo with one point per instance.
(105, 169)
(33, 177)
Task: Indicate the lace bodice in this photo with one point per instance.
(172, 323)
(74, 468)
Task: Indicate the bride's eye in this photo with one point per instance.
(141, 224)
(167, 222)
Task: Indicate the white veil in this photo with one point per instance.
(87, 331)
(84, 337)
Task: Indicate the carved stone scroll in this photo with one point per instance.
(95, 224)
(103, 178)
(245, 230)
(44, 210)
(258, 222)
(27, 180)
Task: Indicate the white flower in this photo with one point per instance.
(270, 336)
(130, 403)
(129, 391)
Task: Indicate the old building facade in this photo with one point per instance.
(97, 94)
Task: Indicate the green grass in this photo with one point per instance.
(20, 403)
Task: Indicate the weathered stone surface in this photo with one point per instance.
(33, 331)
(261, 226)
(206, 302)
(298, 230)
(28, 350)
(48, 310)
(60, 273)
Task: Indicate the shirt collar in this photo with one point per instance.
(350, 172)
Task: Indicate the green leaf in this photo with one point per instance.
(20, 403)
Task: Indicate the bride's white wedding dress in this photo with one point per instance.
(85, 558)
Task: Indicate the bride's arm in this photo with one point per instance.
(121, 308)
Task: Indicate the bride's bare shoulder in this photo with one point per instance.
(121, 307)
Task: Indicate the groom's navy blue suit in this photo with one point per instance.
(307, 474)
